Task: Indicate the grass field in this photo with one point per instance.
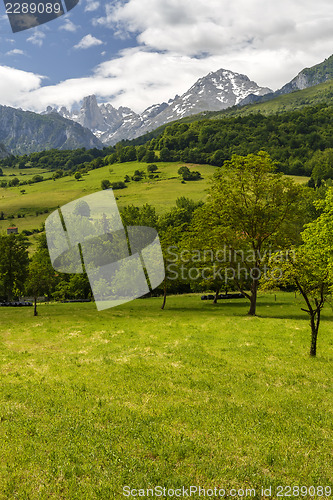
(48, 195)
(196, 394)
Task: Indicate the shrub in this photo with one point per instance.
(118, 185)
(105, 184)
(187, 175)
(13, 182)
(152, 168)
(37, 178)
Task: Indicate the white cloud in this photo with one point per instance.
(179, 41)
(15, 52)
(293, 32)
(68, 26)
(87, 42)
(92, 5)
(215, 26)
(16, 85)
(37, 38)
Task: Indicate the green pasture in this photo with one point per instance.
(23, 174)
(134, 396)
(44, 197)
(50, 194)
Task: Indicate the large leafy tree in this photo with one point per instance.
(14, 262)
(250, 210)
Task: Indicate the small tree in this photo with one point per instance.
(82, 208)
(78, 176)
(138, 175)
(189, 175)
(152, 168)
(13, 264)
(311, 268)
(105, 184)
(41, 276)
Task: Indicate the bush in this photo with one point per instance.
(118, 185)
(37, 178)
(105, 184)
(13, 182)
(187, 175)
(152, 168)
(138, 175)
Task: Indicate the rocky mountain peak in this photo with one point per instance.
(90, 115)
(214, 92)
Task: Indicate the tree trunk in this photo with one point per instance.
(314, 332)
(35, 306)
(253, 298)
(216, 296)
(164, 294)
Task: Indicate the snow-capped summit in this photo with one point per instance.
(216, 91)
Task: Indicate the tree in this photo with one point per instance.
(14, 262)
(82, 208)
(189, 175)
(138, 175)
(165, 155)
(37, 178)
(13, 182)
(41, 276)
(311, 268)
(105, 184)
(152, 168)
(139, 216)
(149, 157)
(78, 176)
(250, 209)
(321, 165)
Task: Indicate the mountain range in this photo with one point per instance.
(24, 132)
(96, 125)
(216, 91)
(308, 77)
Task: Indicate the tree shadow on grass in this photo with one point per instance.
(241, 309)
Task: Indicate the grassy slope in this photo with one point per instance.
(24, 174)
(318, 94)
(193, 395)
(48, 195)
(161, 193)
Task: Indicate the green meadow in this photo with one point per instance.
(134, 396)
(41, 198)
(48, 195)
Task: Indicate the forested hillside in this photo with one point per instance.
(290, 138)
(293, 140)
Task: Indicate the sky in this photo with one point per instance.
(137, 53)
